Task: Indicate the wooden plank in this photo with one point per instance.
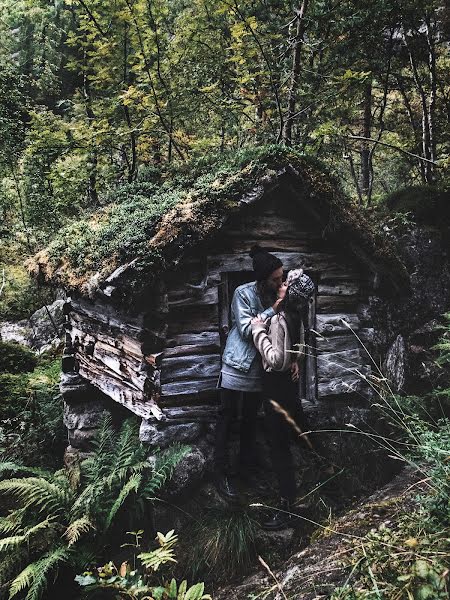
(190, 367)
(188, 296)
(265, 226)
(190, 350)
(192, 319)
(333, 365)
(344, 385)
(327, 324)
(291, 260)
(337, 304)
(338, 288)
(203, 338)
(310, 392)
(346, 341)
(304, 245)
(186, 388)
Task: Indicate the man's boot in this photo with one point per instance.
(281, 518)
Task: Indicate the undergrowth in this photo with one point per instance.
(31, 426)
(64, 520)
(410, 558)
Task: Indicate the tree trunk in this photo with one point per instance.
(365, 149)
(433, 89)
(295, 72)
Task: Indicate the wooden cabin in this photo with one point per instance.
(151, 340)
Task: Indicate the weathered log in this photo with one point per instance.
(337, 304)
(327, 324)
(263, 226)
(203, 338)
(347, 341)
(339, 288)
(316, 261)
(190, 367)
(184, 388)
(300, 244)
(192, 319)
(333, 365)
(192, 297)
(343, 385)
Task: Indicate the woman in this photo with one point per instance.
(242, 370)
(279, 345)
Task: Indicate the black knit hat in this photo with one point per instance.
(264, 263)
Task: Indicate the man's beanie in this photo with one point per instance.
(264, 263)
(299, 284)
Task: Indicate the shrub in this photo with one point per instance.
(31, 427)
(426, 204)
(15, 358)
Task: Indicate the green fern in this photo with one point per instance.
(62, 519)
(132, 485)
(34, 576)
(76, 529)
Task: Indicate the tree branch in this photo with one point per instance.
(362, 138)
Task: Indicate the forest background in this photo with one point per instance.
(97, 93)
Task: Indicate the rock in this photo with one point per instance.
(81, 439)
(43, 329)
(76, 388)
(187, 473)
(84, 415)
(19, 332)
(162, 435)
(395, 364)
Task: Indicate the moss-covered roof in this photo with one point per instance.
(147, 227)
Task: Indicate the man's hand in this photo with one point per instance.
(295, 371)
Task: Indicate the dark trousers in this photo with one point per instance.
(280, 388)
(228, 411)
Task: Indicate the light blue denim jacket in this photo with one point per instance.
(239, 349)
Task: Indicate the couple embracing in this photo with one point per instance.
(261, 361)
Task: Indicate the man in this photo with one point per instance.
(242, 367)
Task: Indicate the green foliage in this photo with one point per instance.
(31, 428)
(15, 358)
(426, 204)
(409, 557)
(224, 543)
(109, 581)
(21, 295)
(60, 519)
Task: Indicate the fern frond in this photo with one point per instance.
(166, 461)
(13, 522)
(77, 529)
(38, 493)
(131, 485)
(13, 541)
(9, 469)
(8, 543)
(34, 576)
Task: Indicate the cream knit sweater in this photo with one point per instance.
(274, 344)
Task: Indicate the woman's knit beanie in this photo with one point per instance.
(264, 263)
(300, 285)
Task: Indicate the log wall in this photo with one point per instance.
(186, 319)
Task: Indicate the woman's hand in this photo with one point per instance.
(295, 371)
(257, 321)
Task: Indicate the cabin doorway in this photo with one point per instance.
(233, 279)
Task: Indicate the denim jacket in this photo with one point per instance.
(240, 350)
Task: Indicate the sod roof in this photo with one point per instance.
(148, 226)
